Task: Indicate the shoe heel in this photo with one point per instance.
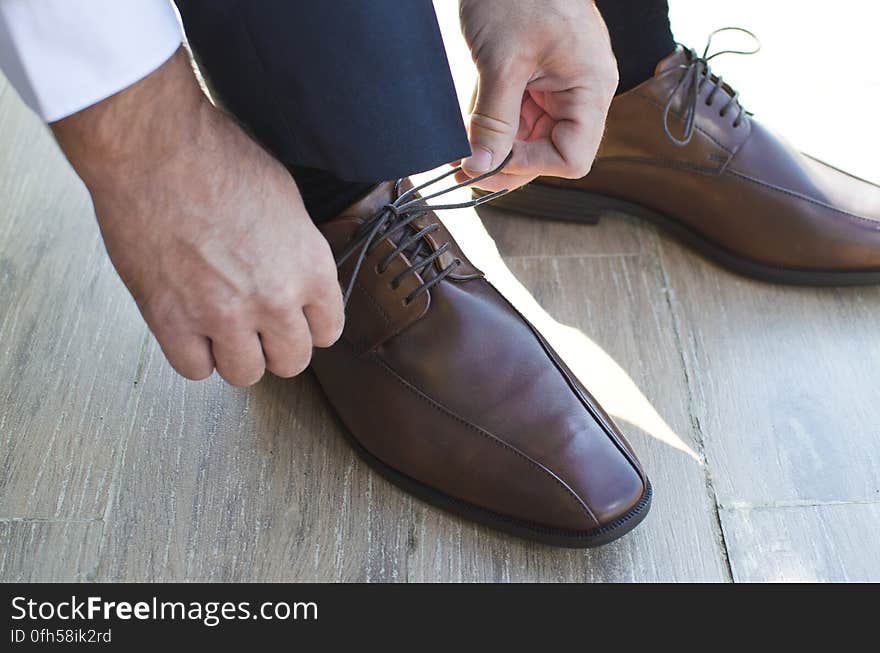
(550, 202)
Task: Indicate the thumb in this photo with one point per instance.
(494, 121)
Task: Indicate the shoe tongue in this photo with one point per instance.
(372, 203)
(682, 57)
(678, 57)
(416, 252)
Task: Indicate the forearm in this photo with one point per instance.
(140, 127)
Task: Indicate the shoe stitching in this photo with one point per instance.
(373, 302)
(388, 320)
(574, 384)
(545, 472)
(375, 305)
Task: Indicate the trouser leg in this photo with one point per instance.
(640, 37)
(345, 93)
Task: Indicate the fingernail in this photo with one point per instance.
(480, 159)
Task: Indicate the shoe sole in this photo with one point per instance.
(520, 528)
(584, 207)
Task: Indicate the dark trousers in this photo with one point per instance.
(348, 93)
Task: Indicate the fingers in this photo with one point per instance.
(495, 119)
(289, 351)
(276, 332)
(287, 343)
(325, 311)
(569, 140)
(239, 357)
(326, 320)
(284, 343)
(189, 354)
(284, 348)
(557, 134)
(501, 181)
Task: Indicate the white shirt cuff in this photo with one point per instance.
(65, 55)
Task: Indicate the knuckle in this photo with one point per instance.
(579, 166)
(491, 125)
(326, 287)
(281, 306)
(286, 322)
(225, 315)
(278, 294)
(321, 255)
(496, 63)
(327, 299)
(324, 277)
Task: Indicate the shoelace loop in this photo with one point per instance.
(696, 73)
(395, 217)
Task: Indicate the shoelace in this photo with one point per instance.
(395, 217)
(696, 73)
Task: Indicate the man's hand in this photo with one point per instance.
(206, 229)
(546, 79)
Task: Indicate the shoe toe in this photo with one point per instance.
(604, 477)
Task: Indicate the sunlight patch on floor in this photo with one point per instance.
(603, 377)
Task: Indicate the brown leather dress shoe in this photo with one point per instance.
(450, 393)
(681, 151)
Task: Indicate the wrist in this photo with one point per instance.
(143, 126)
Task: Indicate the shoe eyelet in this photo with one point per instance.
(406, 301)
